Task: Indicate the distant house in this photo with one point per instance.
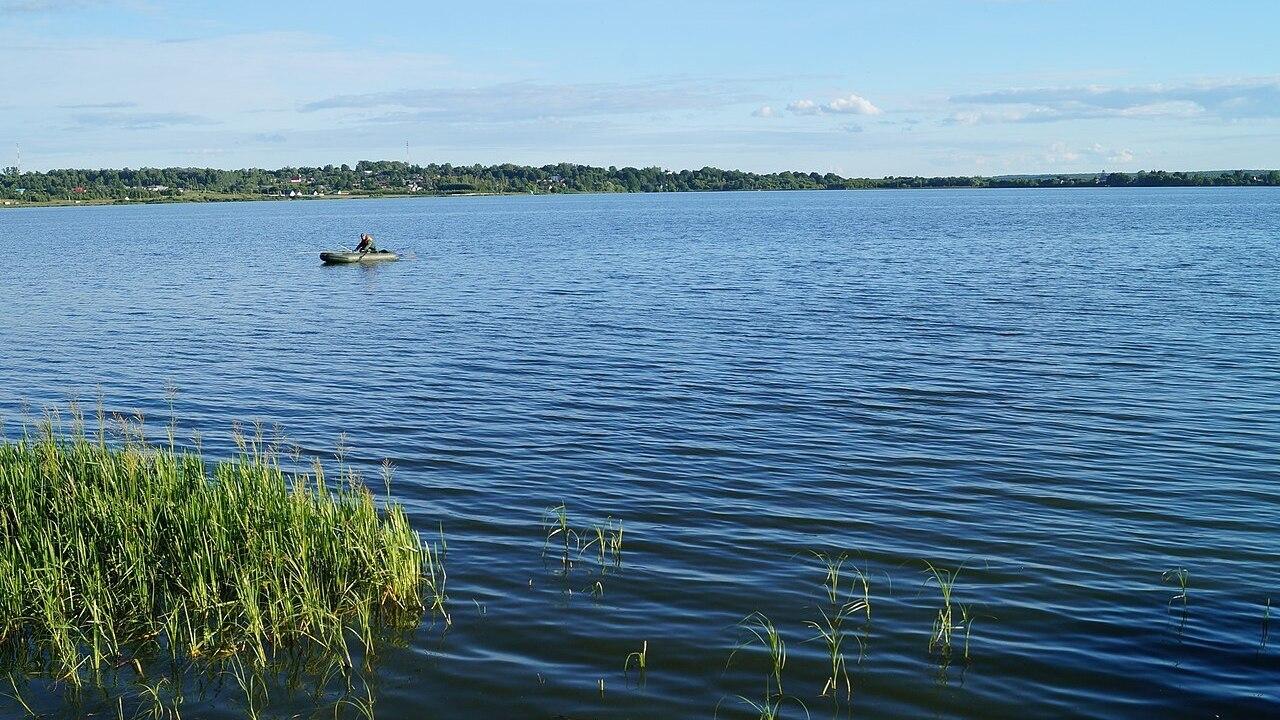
(296, 179)
(78, 189)
(158, 188)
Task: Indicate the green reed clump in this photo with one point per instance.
(843, 604)
(561, 541)
(113, 553)
(555, 526)
(607, 539)
(946, 624)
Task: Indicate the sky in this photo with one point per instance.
(862, 88)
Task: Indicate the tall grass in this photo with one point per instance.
(114, 552)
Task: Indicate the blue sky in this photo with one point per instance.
(857, 87)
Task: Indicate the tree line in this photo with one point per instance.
(398, 178)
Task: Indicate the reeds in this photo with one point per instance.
(607, 539)
(946, 624)
(761, 630)
(1180, 578)
(833, 635)
(565, 544)
(558, 534)
(639, 659)
(842, 604)
(111, 553)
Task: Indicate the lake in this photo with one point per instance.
(1068, 393)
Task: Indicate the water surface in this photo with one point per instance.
(1069, 392)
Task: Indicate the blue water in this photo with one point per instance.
(1068, 392)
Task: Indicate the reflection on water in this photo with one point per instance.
(314, 682)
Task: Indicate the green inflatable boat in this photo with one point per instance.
(346, 257)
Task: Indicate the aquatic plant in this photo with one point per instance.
(843, 603)
(967, 620)
(433, 581)
(833, 635)
(768, 708)
(640, 658)
(607, 539)
(1266, 624)
(113, 555)
(555, 524)
(1181, 577)
(945, 624)
(761, 629)
(833, 567)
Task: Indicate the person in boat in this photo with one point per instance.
(366, 244)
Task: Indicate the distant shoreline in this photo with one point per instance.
(211, 198)
(204, 198)
(381, 179)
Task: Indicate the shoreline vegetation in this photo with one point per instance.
(372, 179)
(129, 564)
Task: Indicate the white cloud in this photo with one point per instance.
(852, 105)
(1121, 156)
(115, 105)
(1060, 153)
(42, 6)
(217, 76)
(804, 107)
(139, 120)
(765, 111)
(1228, 99)
(977, 117)
(528, 100)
